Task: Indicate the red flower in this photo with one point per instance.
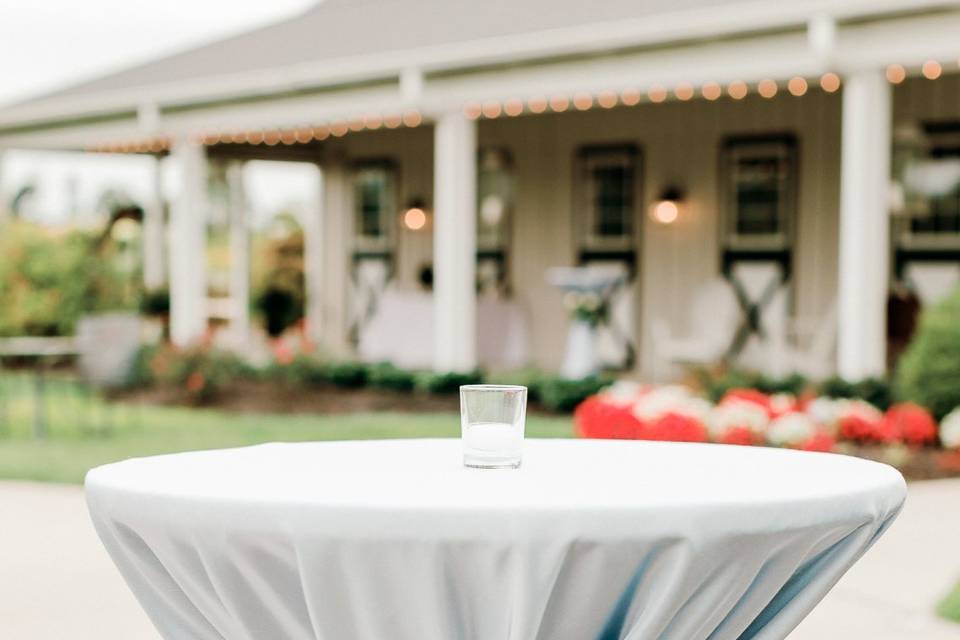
(283, 352)
(195, 382)
(911, 423)
(674, 427)
(748, 395)
(821, 441)
(740, 435)
(861, 422)
(595, 418)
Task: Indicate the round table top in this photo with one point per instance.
(396, 539)
(556, 476)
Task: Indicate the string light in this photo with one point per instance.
(320, 133)
(392, 121)
(356, 124)
(412, 119)
(711, 91)
(767, 88)
(896, 73)
(288, 137)
(931, 69)
(339, 129)
(537, 105)
(513, 107)
(797, 86)
(256, 137)
(559, 103)
(414, 218)
(492, 110)
(737, 89)
(830, 82)
(472, 110)
(630, 97)
(683, 92)
(582, 101)
(373, 121)
(271, 138)
(607, 99)
(657, 94)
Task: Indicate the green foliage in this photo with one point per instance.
(929, 371)
(48, 279)
(155, 303)
(280, 289)
(347, 374)
(949, 607)
(876, 391)
(200, 372)
(563, 394)
(449, 382)
(386, 376)
(303, 370)
(716, 385)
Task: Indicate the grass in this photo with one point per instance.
(85, 431)
(949, 607)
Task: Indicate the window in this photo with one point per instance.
(759, 183)
(375, 206)
(608, 193)
(927, 170)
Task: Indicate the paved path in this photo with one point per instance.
(56, 581)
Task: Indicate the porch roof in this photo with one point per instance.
(343, 43)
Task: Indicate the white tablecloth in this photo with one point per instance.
(396, 540)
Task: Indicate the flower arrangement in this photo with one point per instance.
(751, 417)
(586, 307)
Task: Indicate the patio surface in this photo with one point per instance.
(57, 582)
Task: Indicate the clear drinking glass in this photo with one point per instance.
(492, 417)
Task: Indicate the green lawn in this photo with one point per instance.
(85, 432)
(949, 607)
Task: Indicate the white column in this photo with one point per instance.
(864, 225)
(326, 232)
(154, 241)
(455, 243)
(188, 238)
(239, 253)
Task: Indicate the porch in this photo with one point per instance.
(453, 189)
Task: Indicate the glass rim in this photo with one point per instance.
(492, 387)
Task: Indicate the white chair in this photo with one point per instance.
(714, 317)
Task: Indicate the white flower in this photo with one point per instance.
(950, 430)
(736, 413)
(782, 403)
(670, 399)
(860, 408)
(791, 429)
(622, 392)
(590, 301)
(825, 411)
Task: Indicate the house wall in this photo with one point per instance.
(680, 144)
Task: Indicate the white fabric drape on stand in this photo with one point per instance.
(396, 540)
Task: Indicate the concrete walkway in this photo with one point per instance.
(56, 581)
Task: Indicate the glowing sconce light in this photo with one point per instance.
(666, 209)
(415, 217)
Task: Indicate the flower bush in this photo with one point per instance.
(745, 416)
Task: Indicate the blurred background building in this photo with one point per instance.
(776, 185)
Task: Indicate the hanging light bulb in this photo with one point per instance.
(513, 107)
(767, 88)
(630, 97)
(830, 82)
(711, 91)
(737, 89)
(582, 101)
(931, 69)
(657, 94)
(607, 99)
(896, 73)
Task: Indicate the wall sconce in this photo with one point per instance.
(415, 216)
(666, 209)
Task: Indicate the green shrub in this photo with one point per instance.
(929, 370)
(716, 385)
(448, 382)
(876, 391)
(48, 279)
(563, 394)
(200, 372)
(155, 303)
(303, 370)
(386, 376)
(347, 374)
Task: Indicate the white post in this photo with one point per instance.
(188, 237)
(325, 254)
(455, 243)
(239, 253)
(864, 225)
(154, 242)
